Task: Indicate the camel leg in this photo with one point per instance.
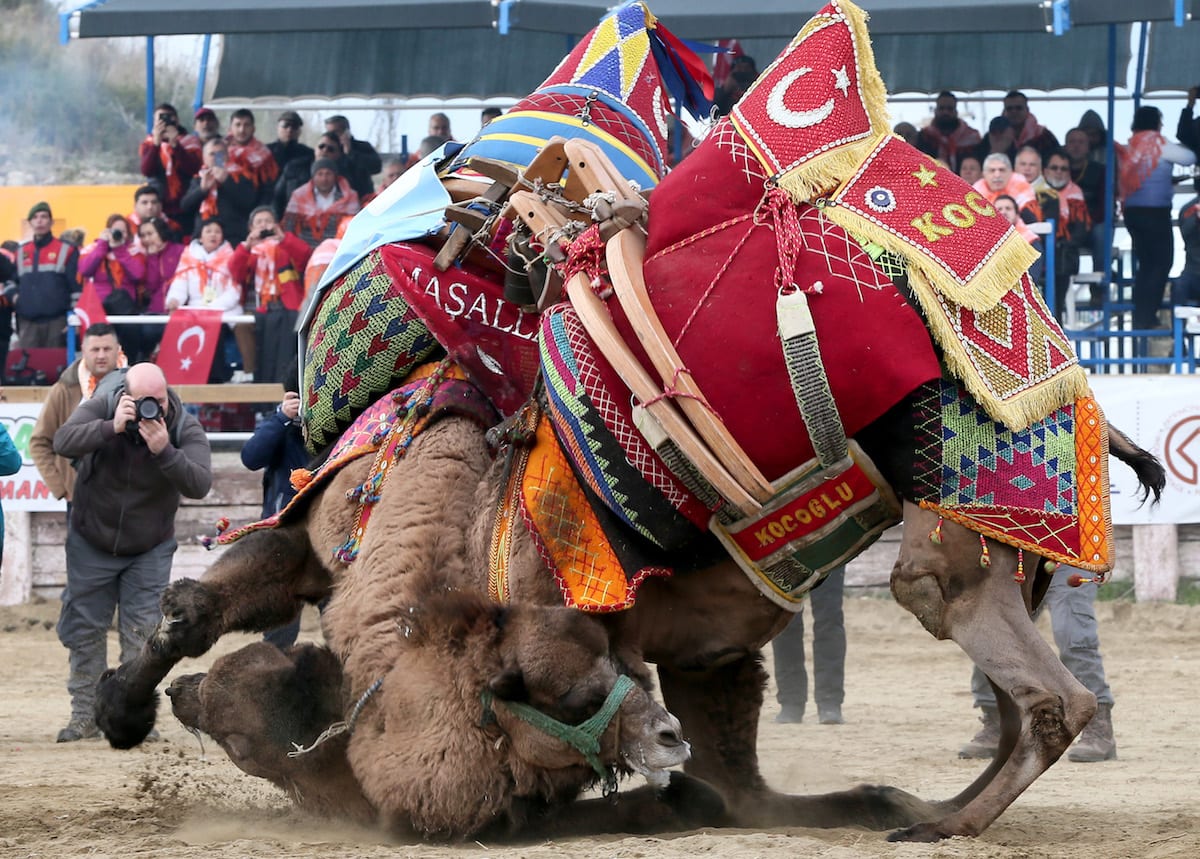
(253, 586)
(719, 710)
(1042, 707)
(685, 803)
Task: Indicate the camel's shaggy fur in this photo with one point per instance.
(703, 630)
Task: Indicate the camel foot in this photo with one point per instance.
(881, 806)
(189, 624)
(694, 803)
(923, 833)
(125, 707)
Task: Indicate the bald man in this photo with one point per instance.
(137, 452)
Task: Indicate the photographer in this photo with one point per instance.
(170, 158)
(271, 262)
(116, 268)
(743, 72)
(220, 191)
(137, 452)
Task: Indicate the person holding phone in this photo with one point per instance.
(221, 190)
(170, 159)
(269, 265)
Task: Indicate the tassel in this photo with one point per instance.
(1075, 580)
(1019, 575)
(985, 559)
(300, 478)
(935, 536)
(1050, 567)
(222, 525)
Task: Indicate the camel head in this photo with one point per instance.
(483, 707)
(561, 696)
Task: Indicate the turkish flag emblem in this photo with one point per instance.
(188, 345)
(809, 101)
(89, 309)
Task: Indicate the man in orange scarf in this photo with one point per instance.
(271, 262)
(317, 207)
(1029, 130)
(251, 156)
(947, 137)
(170, 157)
(1146, 191)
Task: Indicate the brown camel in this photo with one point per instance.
(427, 753)
(703, 628)
(467, 766)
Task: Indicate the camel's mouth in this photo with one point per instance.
(655, 764)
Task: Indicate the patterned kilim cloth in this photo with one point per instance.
(493, 340)
(1043, 488)
(363, 340)
(613, 89)
(368, 433)
(596, 562)
(591, 411)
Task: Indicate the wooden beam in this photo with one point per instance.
(242, 392)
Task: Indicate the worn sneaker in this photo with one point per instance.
(986, 743)
(790, 714)
(1096, 741)
(830, 714)
(78, 729)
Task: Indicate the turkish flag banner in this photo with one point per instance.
(89, 309)
(188, 345)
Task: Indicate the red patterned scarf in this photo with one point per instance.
(255, 161)
(303, 211)
(175, 187)
(1138, 160)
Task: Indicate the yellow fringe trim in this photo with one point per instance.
(827, 170)
(1016, 412)
(830, 169)
(983, 291)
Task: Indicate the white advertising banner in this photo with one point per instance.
(1161, 414)
(24, 490)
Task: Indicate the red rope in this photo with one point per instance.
(585, 254)
(777, 207)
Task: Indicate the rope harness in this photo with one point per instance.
(584, 737)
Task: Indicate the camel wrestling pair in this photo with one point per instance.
(573, 413)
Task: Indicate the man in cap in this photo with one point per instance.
(287, 146)
(46, 279)
(316, 209)
(205, 125)
(170, 159)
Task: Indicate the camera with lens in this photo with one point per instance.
(118, 236)
(164, 117)
(265, 234)
(144, 409)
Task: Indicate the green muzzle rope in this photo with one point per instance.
(584, 737)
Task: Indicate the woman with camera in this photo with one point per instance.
(117, 271)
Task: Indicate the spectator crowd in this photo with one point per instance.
(222, 220)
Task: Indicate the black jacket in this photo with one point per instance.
(126, 497)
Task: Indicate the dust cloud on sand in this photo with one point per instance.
(908, 708)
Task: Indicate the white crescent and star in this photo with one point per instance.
(196, 331)
(789, 118)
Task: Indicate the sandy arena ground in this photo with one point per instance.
(908, 709)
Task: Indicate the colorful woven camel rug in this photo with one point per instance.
(1043, 488)
(384, 430)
